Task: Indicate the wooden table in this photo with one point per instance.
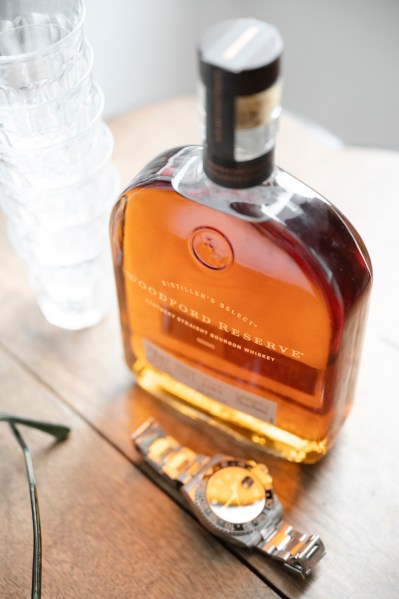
(108, 530)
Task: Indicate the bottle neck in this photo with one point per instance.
(238, 175)
(239, 132)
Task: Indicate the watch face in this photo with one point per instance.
(234, 495)
(233, 499)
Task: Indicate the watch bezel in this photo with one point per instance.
(262, 521)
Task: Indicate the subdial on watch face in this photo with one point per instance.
(235, 495)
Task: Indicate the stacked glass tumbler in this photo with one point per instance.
(57, 183)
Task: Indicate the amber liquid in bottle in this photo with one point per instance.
(242, 308)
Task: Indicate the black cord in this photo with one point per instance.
(60, 432)
(34, 502)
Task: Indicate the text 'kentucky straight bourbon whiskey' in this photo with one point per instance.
(243, 292)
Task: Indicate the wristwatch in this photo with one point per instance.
(233, 498)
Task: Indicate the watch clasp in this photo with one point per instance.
(302, 561)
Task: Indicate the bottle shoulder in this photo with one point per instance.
(300, 221)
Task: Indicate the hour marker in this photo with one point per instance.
(247, 482)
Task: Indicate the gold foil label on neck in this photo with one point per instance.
(256, 109)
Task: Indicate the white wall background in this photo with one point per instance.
(341, 63)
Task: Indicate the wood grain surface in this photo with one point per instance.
(108, 530)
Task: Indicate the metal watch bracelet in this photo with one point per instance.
(299, 552)
(166, 455)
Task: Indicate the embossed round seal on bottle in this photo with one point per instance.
(211, 248)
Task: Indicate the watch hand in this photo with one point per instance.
(234, 495)
(237, 494)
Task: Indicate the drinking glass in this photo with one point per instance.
(56, 176)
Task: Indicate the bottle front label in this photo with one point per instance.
(230, 396)
(222, 331)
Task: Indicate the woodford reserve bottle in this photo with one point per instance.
(242, 291)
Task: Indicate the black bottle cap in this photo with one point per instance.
(237, 58)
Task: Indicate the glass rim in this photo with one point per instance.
(87, 46)
(38, 270)
(102, 166)
(96, 221)
(95, 120)
(27, 56)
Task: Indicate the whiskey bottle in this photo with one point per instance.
(243, 292)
